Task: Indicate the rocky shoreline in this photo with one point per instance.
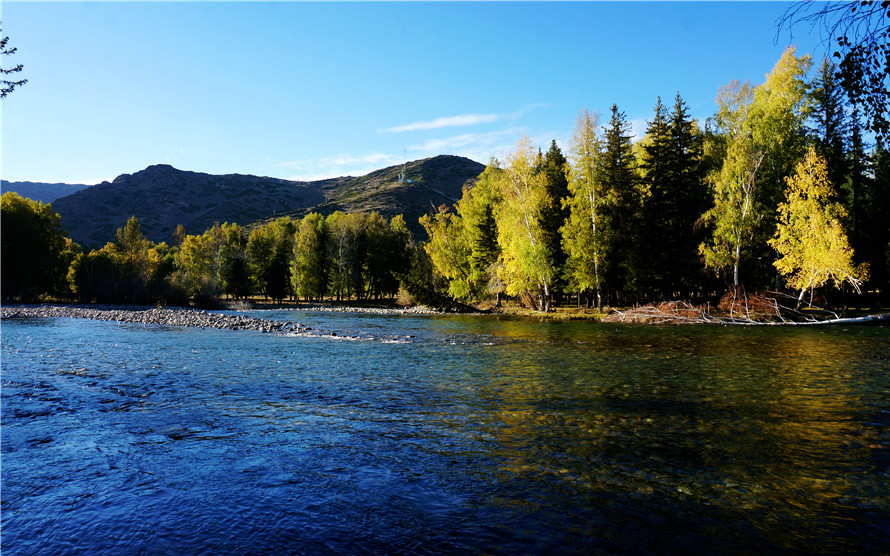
(154, 315)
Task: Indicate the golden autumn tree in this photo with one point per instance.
(524, 253)
(584, 233)
(809, 238)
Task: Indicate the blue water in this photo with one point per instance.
(432, 434)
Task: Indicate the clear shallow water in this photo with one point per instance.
(443, 435)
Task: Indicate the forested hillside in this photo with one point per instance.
(163, 197)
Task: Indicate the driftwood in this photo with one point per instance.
(666, 312)
(736, 307)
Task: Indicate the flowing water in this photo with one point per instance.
(433, 434)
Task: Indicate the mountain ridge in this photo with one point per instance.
(162, 197)
(41, 191)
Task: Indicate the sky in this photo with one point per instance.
(310, 90)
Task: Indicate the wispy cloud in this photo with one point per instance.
(449, 121)
(449, 144)
(338, 165)
(463, 120)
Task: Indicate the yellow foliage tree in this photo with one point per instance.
(809, 238)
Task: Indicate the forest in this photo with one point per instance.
(782, 188)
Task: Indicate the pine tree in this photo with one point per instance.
(476, 209)
(653, 254)
(829, 122)
(620, 186)
(554, 213)
(687, 199)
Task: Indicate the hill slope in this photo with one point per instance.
(162, 197)
(43, 192)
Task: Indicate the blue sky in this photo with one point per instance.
(311, 90)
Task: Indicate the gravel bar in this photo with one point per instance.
(154, 315)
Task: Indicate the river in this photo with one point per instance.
(443, 435)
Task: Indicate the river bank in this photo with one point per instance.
(153, 315)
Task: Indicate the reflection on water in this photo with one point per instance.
(473, 435)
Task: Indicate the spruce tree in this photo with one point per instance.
(676, 196)
(620, 184)
(687, 199)
(553, 213)
(653, 255)
(829, 122)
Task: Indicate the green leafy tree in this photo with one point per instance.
(233, 268)
(346, 251)
(196, 269)
(137, 260)
(585, 232)
(35, 253)
(809, 237)
(312, 264)
(764, 136)
(94, 276)
(397, 250)
(449, 250)
(260, 248)
(279, 277)
(524, 254)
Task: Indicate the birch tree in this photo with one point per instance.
(584, 232)
(764, 130)
(524, 255)
(809, 237)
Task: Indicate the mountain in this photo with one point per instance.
(44, 192)
(162, 196)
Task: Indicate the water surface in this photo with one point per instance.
(431, 434)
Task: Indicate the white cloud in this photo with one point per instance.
(449, 144)
(464, 120)
(450, 121)
(339, 165)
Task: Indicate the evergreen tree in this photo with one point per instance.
(620, 185)
(687, 199)
(829, 122)
(653, 256)
(554, 212)
(476, 210)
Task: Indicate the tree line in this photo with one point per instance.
(340, 256)
(777, 189)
